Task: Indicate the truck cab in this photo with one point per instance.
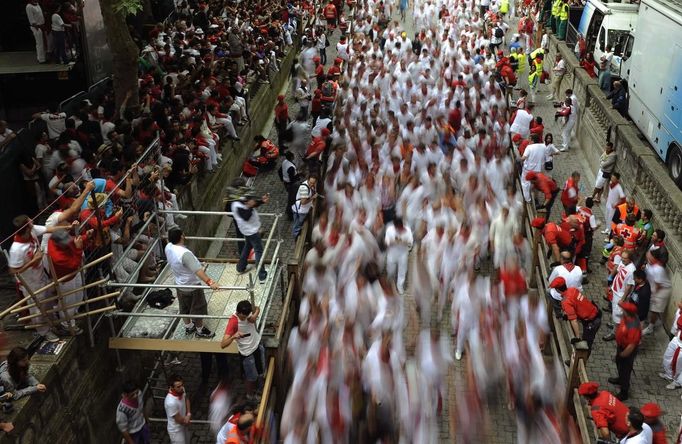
(609, 26)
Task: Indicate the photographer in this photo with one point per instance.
(248, 222)
(15, 377)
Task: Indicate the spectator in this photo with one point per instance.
(241, 328)
(188, 271)
(607, 164)
(305, 198)
(130, 417)
(246, 216)
(15, 376)
(619, 97)
(59, 35)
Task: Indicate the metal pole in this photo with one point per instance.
(251, 292)
(184, 287)
(222, 239)
(132, 242)
(265, 249)
(211, 213)
(268, 299)
(165, 315)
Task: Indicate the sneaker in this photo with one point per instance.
(614, 381)
(458, 356)
(248, 268)
(609, 337)
(672, 386)
(190, 330)
(605, 231)
(648, 330)
(664, 376)
(205, 333)
(563, 149)
(50, 337)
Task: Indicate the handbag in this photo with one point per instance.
(549, 165)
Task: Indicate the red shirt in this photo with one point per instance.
(537, 128)
(630, 235)
(554, 234)
(523, 145)
(282, 112)
(330, 11)
(628, 332)
(608, 411)
(232, 326)
(577, 306)
(65, 259)
(546, 185)
(569, 195)
(514, 282)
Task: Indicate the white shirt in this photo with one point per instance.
(304, 192)
(174, 405)
(56, 123)
(247, 227)
(573, 278)
(21, 253)
(35, 15)
(534, 157)
(623, 278)
(521, 123)
(398, 242)
(57, 22)
(616, 194)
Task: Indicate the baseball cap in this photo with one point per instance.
(538, 222)
(557, 283)
(588, 388)
(651, 410)
(628, 307)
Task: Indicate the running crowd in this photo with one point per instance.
(419, 179)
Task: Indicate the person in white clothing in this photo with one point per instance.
(568, 112)
(176, 405)
(398, 240)
(533, 160)
(572, 275)
(672, 359)
(187, 270)
(614, 197)
(36, 20)
(305, 197)
(522, 121)
(623, 284)
(661, 289)
(248, 222)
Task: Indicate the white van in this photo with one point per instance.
(609, 26)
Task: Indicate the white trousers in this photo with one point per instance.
(227, 123)
(396, 264)
(525, 186)
(73, 298)
(566, 133)
(181, 437)
(40, 45)
(673, 357)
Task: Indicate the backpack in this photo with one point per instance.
(499, 33)
(160, 298)
(327, 89)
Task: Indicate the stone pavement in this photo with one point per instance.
(646, 385)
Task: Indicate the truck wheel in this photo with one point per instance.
(675, 164)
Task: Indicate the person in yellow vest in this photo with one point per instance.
(504, 7)
(523, 61)
(533, 81)
(554, 21)
(563, 20)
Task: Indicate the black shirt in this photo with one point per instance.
(641, 296)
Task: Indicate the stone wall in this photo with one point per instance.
(83, 384)
(643, 174)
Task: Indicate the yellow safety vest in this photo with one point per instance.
(534, 54)
(532, 77)
(504, 6)
(556, 8)
(538, 66)
(563, 13)
(522, 62)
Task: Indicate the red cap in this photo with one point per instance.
(517, 138)
(558, 282)
(651, 410)
(280, 98)
(500, 53)
(628, 307)
(338, 60)
(531, 175)
(588, 388)
(325, 132)
(538, 222)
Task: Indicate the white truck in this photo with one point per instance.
(608, 25)
(654, 74)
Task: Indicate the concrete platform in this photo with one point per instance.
(166, 333)
(25, 62)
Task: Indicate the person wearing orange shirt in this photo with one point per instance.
(578, 308)
(557, 237)
(628, 337)
(571, 191)
(608, 412)
(547, 186)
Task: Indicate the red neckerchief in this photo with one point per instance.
(569, 266)
(175, 394)
(130, 402)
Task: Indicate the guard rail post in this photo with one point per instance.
(580, 353)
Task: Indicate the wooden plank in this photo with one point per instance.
(285, 312)
(267, 389)
(580, 418)
(178, 345)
